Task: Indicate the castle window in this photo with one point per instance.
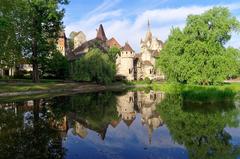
(129, 70)
(150, 71)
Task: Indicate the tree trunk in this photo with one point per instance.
(35, 73)
(36, 106)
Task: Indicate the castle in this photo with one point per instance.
(129, 64)
(139, 66)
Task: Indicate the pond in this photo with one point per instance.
(132, 124)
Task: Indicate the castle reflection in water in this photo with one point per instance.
(128, 105)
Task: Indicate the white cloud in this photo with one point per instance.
(107, 4)
(89, 25)
(117, 24)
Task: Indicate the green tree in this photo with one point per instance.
(10, 49)
(41, 22)
(57, 65)
(94, 66)
(112, 53)
(197, 54)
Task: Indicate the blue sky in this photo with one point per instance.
(126, 20)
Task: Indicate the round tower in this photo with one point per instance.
(125, 65)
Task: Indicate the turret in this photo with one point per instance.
(127, 51)
(124, 62)
(125, 108)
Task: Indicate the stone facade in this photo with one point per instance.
(79, 39)
(125, 63)
(62, 43)
(139, 66)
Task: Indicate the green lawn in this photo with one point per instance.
(22, 87)
(201, 93)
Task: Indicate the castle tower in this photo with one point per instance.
(101, 34)
(125, 108)
(150, 49)
(124, 62)
(62, 43)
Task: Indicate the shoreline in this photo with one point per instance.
(19, 89)
(73, 88)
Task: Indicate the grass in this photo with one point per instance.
(28, 80)
(23, 87)
(201, 93)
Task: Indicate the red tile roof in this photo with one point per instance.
(127, 47)
(113, 43)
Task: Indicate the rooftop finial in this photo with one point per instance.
(148, 24)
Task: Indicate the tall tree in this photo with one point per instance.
(197, 54)
(40, 28)
(10, 45)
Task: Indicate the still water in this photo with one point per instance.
(105, 125)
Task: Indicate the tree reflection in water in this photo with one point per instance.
(37, 128)
(200, 130)
(25, 132)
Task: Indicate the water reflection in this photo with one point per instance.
(25, 132)
(118, 125)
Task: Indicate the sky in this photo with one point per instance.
(126, 20)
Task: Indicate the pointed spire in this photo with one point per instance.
(149, 34)
(101, 34)
(148, 25)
